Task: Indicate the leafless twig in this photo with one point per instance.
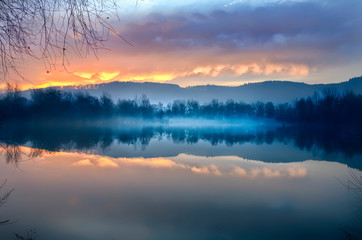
(49, 30)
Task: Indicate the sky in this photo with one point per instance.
(219, 42)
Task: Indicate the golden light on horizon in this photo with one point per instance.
(105, 76)
(154, 78)
(214, 73)
(48, 84)
(84, 75)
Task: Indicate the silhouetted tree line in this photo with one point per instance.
(329, 108)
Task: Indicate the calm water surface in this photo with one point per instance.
(179, 183)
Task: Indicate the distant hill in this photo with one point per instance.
(274, 91)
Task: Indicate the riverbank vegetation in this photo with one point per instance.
(327, 108)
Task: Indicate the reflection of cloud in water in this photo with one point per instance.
(291, 172)
(101, 162)
(197, 166)
(105, 162)
(98, 161)
(84, 162)
(211, 169)
(264, 172)
(150, 162)
(264, 143)
(225, 166)
(297, 172)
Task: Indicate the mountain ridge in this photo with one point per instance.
(274, 91)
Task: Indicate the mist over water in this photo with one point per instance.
(178, 179)
(111, 148)
(259, 140)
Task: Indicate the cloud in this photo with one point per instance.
(151, 162)
(84, 75)
(239, 171)
(82, 163)
(207, 169)
(219, 166)
(312, 24)
(99, 162)
(297, 172)
(106, 163)
(268, 172)
(232, 3)
(286, 40)
(252, 68)
(105, 76)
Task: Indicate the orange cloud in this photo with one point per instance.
(184, 68)
(294, 70)
(105, 76)
(153, 78)
(84, 75)
(191, 47)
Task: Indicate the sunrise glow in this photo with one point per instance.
(170, 120)
(215, 43)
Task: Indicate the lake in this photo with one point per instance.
(180, 181)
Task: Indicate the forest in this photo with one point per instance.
(328, 108)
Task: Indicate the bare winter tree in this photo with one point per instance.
(354, 186)
(49, 29)
(3, 200)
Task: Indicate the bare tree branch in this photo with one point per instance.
(3, 199)
(49, 30)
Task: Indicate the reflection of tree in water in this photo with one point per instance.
(140, 137)
(314, 140)
(14, 154)
(4, 196)
(30, 235)
(354, 186)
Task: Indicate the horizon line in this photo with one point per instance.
(91, 85)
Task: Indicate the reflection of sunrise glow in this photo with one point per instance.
(226, 166)
(211, 169)
(82, 163)
(99, 162)
(105, 162)
(266, 172)
(297, 172)
(151, 162)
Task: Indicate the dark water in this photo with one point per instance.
(176, 181)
